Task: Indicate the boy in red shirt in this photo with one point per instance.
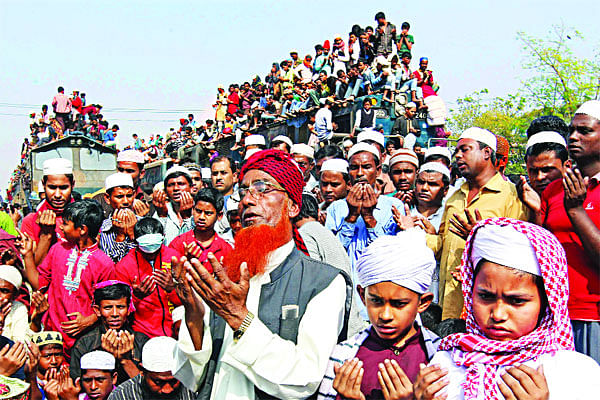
(202, 240)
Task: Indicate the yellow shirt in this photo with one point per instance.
(498, 198)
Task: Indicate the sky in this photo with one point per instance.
(150, 63)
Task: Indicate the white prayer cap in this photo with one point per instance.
(370, 134)
(40, 187)
(546, 137)
(98, 359)
(438, 151)
(591, 108)
(304, 150)
(250, 153)
(360, 147)
(435, 167)
(256, 140)
(118, 179)
(205, 173)
(348, 142)
(11, 275)
(403, 259)
(157, 354)
(481, 135)
(130, 156)
(335, 165)
(178, 313)
(405, 155)
(177, 168)
(57, 166)
(411, 104)
(506, 246)
(231, 204)
(381, 60)
(284, 139)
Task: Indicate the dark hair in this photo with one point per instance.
(69, 176)
(548, 123)
(379, 16)
(405, 25)
(45, 107)
(310, 207)
(406, 54)
(432, 316)
(445, 179)
(451, 326)
(112, 292)
(212, 196)
(232, 163)
(61, 89)
(329, 151)
(115, 126)
(191, 115)
(86, 212)
(539, 148)
(147, 226)
(483, 146)
(277, 142)
(177, 174)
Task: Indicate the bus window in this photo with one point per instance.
(153, 175)
(59, 152)
(93, 160)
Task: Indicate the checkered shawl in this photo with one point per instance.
(483, 356)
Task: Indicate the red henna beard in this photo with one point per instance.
(254, 244)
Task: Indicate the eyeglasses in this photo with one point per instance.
(259, 188)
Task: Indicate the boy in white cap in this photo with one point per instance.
(334, 181)
(116, 232)
(282, 143)
(98, 377)
(156, 380)
(382, 361)
(483, 195)
(304, 155)
(43, 226)
(14, 319)
(404, 164)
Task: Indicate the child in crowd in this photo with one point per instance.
(147, 269)
(14, 320)
(383, 360)
(519, 341)
(70, 271)
(202, 240)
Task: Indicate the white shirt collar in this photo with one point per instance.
(279, 255)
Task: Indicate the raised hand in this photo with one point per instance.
(4, 310)
(424, 224)
(144, 288)
(33, 359)
(394, 382)
(77, 324)
(348, 378)
(369, 201)
(186, 203)
(67, 389)
(39, 303)
(524, 383)
(405, 221)
(354, 201)
(47, 221)
(163, 278)
(462, 227)
(140, 208)
(430, 381)
(159, 199)
(575, 186)
(24, 243)
(12, 358)
(192, 250)
(529, 196)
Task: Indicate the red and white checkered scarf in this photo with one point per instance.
(483, 356)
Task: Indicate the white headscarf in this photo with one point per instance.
(403, 259)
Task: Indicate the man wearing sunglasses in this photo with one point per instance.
(275, 314)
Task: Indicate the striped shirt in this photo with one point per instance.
(136, 389)
(108, 242)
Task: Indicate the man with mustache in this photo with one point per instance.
(275, 314)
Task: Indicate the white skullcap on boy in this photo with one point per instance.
(256, 140)
(403, 259)
(360, 147)
(130, 156)
(546, 137)
(435, 167)
(117, 180)
(284, 139)
(98, 359)
(335, 165)
(304, 150)
(11, 275)
(157, 354)
(57, 166)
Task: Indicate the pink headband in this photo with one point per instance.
(111, 282)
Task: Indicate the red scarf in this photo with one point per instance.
(481, 355)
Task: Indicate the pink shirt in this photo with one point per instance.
(61, 103)
(70, 275)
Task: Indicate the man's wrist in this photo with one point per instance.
(235, 321)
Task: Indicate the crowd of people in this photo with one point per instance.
(303, 270)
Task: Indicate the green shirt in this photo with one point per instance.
(403, 47)
(7, 224)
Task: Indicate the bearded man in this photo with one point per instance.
(275, 314)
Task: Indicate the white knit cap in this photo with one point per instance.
(57, 166)
(370, 134)
(256, 140)
(435, 167)
(178, 313)
(506, 246)
(98, 359)
(130, 156)
(304, 150)
(118, 179)
(250, 153)
(157, 354)
(403, 259)
(284, 139)
(481, 135)
(546, 137)
(11, 275)
(591, 108)
(438, 151)
(231, 204)
(177, 168)
(405, 155)
(206, 173)
(347, 142)
(335, 165)
(360, 147)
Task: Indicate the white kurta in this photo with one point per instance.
(263, 359)
(569, 375)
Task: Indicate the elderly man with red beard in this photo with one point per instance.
(275, 314)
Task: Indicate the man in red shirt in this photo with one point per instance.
(147, 268)
(202, 240)
(233, 100)
(571, 211)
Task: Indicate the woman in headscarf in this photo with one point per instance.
(519, 341)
